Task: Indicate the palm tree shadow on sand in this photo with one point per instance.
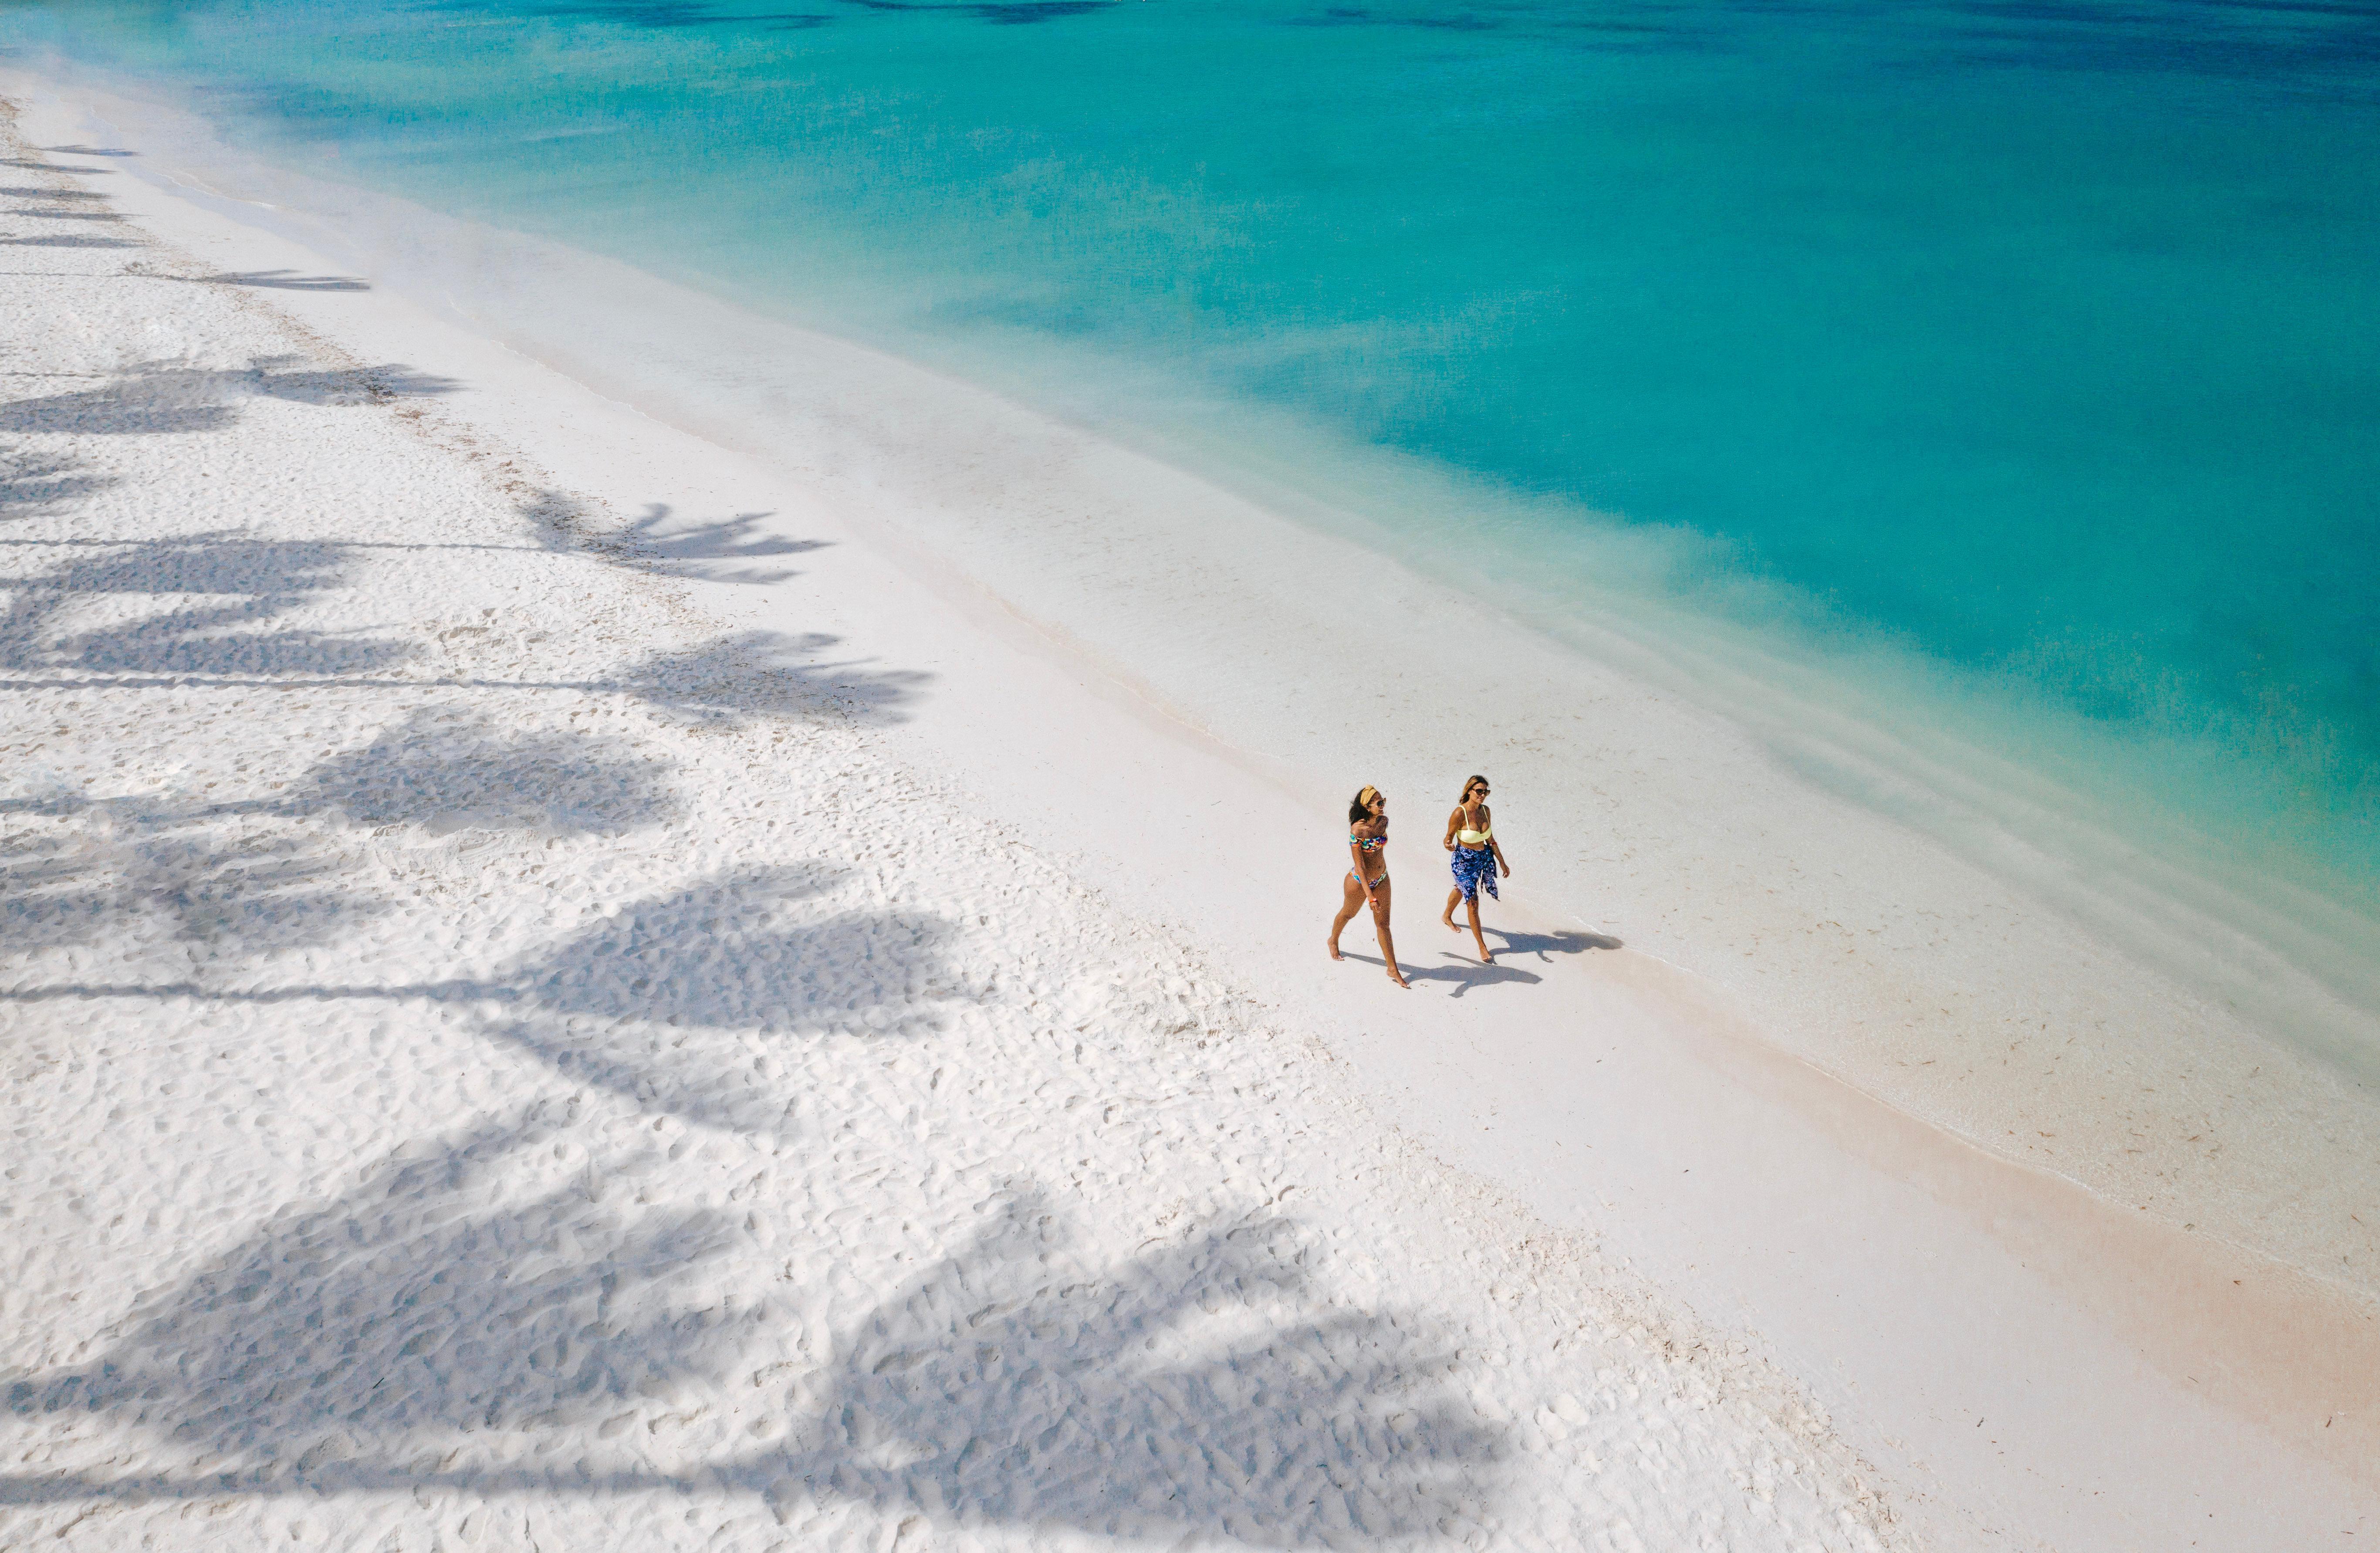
(468, 1318)
(247, 585)
(659, 541)
(752, 673)
(34, 484)
(1193, 1390)
(281, 280)
(674, 1003)
(167, 397)
(163, 859)
(416, 1303)
(661, 1004)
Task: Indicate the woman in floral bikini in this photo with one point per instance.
(1368, 832)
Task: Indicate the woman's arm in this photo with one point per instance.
(1453, 823)
(1495, 846)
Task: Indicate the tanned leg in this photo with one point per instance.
(1388, 944)
(1348, 907)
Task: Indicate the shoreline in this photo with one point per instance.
(1746, 831)
(1089, 702)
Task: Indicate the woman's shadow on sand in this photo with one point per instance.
(1467, 974)
(1546, 945)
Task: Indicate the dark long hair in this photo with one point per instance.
(1468, 784)
(1360, 810)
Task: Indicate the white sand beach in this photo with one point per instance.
(581, 973)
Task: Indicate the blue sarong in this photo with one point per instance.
(1475, 865)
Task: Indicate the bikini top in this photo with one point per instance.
(1475, 838)
(1368, 843)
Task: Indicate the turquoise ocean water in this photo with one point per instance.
(2036, 340)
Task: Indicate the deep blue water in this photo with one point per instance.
(2042, 339)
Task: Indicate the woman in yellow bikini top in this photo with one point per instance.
(1368, 833)
(1471, 837)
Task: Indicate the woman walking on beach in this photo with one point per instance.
(1368, 832)
(1471, 837)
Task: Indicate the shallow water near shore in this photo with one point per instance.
(2035, 344)
(1969, 403)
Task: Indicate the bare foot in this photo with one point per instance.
(1449, 920)
(1399, 976)
(1334, 949)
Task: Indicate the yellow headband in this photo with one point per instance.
(1367, 794)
